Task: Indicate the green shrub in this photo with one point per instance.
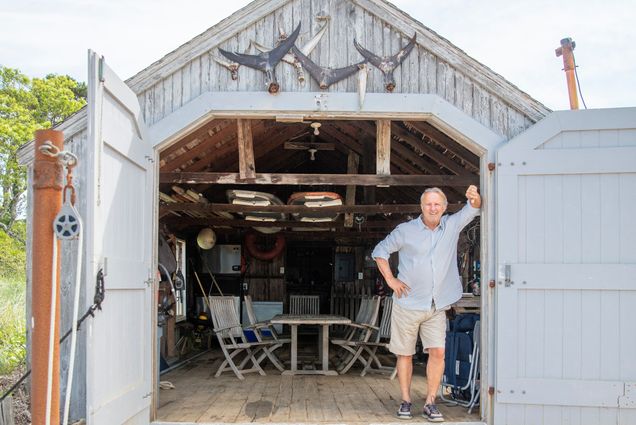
(12, 324)
(12, 254)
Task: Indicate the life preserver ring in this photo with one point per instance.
(251, 244)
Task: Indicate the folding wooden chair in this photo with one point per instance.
(380, 339)
(265, 332)
(233, 342)
(359, 331)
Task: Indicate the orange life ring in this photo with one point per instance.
(251, 240)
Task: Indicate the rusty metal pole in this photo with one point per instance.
(566, 50)
(47, 201)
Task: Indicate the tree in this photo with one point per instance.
(27, 105)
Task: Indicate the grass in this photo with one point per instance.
(12, 323)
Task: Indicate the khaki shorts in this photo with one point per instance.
(407, 324)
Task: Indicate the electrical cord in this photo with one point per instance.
(578, 83)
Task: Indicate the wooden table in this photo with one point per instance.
(468, 305)
(324, 320)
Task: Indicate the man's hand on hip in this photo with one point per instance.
(400, 288)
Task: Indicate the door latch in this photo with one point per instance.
(507, 272)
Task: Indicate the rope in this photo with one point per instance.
(52, 321)
(578, 84)
(97, 305)
(78, 280)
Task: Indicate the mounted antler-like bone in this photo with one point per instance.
(265, 61)
(291, 59)
(387, 64)
(230, 66)
(325, 76)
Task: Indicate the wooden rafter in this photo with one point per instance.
(195, 135)
(442, 140)
(418, 145)
(224, 134)
(219, 148)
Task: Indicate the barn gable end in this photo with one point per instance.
(434, 67)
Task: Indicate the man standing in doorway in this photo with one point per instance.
(427, 284)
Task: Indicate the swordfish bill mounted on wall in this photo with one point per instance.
(265, 61)
(387, 64)
(325, 76)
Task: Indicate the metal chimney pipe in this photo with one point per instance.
(47, 201)
(566, 50)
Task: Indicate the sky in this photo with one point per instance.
(516, 39)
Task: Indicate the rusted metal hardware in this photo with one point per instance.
(491, 283)
(491, 166)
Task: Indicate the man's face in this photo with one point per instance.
(433, 207)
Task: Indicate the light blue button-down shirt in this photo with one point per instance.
(427, 259)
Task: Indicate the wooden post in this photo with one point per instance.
(47, 201)
(383, 143)
(350, 198)
(368, 155)
(247, 169)
(566, 50)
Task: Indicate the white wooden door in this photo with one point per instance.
(120, 240)
(566, 284)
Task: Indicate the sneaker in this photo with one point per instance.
(404, 412)
(432, 413)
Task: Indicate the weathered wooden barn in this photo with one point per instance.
(555, 239)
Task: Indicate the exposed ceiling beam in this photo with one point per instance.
(290, 209)
(219, 147)
(320, 179)
(206, 130)
(445, 141)
(239, 222)
(419, 146)
(223, 136)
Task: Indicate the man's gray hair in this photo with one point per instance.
(434, 190)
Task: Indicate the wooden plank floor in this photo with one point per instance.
(199, 397)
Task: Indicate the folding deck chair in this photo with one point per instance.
(461, 374)
(380, 339)
(358, 331)
(265, 332)
(233, 342)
